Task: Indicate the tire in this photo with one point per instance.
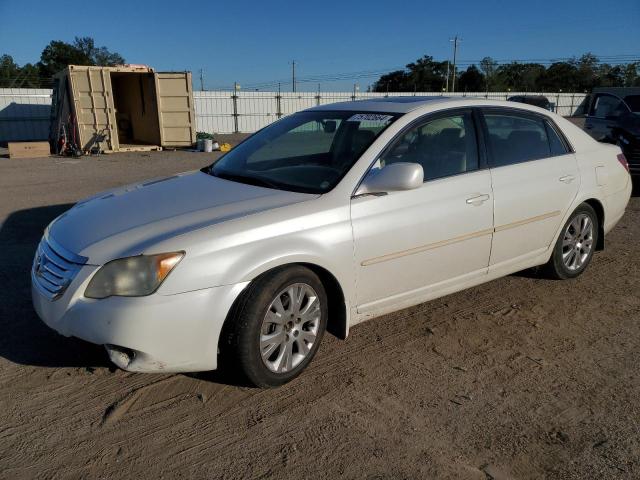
(271, 342)
(576, 243)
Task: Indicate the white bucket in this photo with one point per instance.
(208, 145)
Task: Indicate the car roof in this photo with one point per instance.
(411, 103)
(386, 104)
(619, 91)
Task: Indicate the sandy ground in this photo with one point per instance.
(519, 378)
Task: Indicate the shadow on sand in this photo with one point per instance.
(25, 339)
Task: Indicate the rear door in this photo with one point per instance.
(535, 178)
(175, 109)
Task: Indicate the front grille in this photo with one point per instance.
(53, 270)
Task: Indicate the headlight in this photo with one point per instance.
(132, 276)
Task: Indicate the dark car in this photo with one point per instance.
(612, 115)
(536, 100)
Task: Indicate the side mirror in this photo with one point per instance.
(393, 177)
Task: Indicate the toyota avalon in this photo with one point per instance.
(322, 220)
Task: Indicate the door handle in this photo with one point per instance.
(588, 126)
(567, 179)
(477, 200)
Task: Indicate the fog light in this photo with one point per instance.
(121, 356)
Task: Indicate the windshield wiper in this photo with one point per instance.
(236, 177)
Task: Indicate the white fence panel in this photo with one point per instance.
(24, 113)
(255, 110)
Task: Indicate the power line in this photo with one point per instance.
(620, 59)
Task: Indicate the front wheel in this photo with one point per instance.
(575, 246)
(276, 328)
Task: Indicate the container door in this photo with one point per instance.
(93, 108)
(175, 109)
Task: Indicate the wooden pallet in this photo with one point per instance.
(28, 149)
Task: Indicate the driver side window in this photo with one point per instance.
(444, 146)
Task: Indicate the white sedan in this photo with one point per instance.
(324, 219)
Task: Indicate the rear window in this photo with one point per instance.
(556, 144)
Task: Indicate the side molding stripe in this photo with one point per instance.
(469, 236)
(429, 246)
(544, 216)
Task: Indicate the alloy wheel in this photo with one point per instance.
(578, 242)
(290, 327)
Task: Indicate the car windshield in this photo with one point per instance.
(634, 102)
(306, 152)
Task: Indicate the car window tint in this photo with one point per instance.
(310, 138)
(514, 138)
(556, 144)
(607, 105)
(443, 146)
(633, 102)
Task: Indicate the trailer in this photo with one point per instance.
(122, 108)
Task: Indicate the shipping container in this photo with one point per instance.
(124, 108)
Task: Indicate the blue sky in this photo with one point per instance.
(254, 42)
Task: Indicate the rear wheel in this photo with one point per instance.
(276, 328)
(575, 246)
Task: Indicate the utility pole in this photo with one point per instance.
(446, 87)
(455, 41)
(293, 74)
(201, 80)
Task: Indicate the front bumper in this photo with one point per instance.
(165, 333)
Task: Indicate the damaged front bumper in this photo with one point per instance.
(156, 333)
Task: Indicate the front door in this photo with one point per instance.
(602, 116)
(410, 243)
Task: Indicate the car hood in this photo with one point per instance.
(127, 220)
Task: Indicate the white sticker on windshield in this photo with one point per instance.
(369, 117)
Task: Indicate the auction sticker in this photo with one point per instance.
(369, 117)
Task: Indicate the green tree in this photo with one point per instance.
(9, 71)
(488, 66)
(471, 80)
(427, 75)
(587, 75)
(423, 75)
(559, 76)
(391, 82)
(58, 54)
(14, 76)
(97, 55)
(632, 75)
(610, 75)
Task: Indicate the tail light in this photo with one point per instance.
(623, 160)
